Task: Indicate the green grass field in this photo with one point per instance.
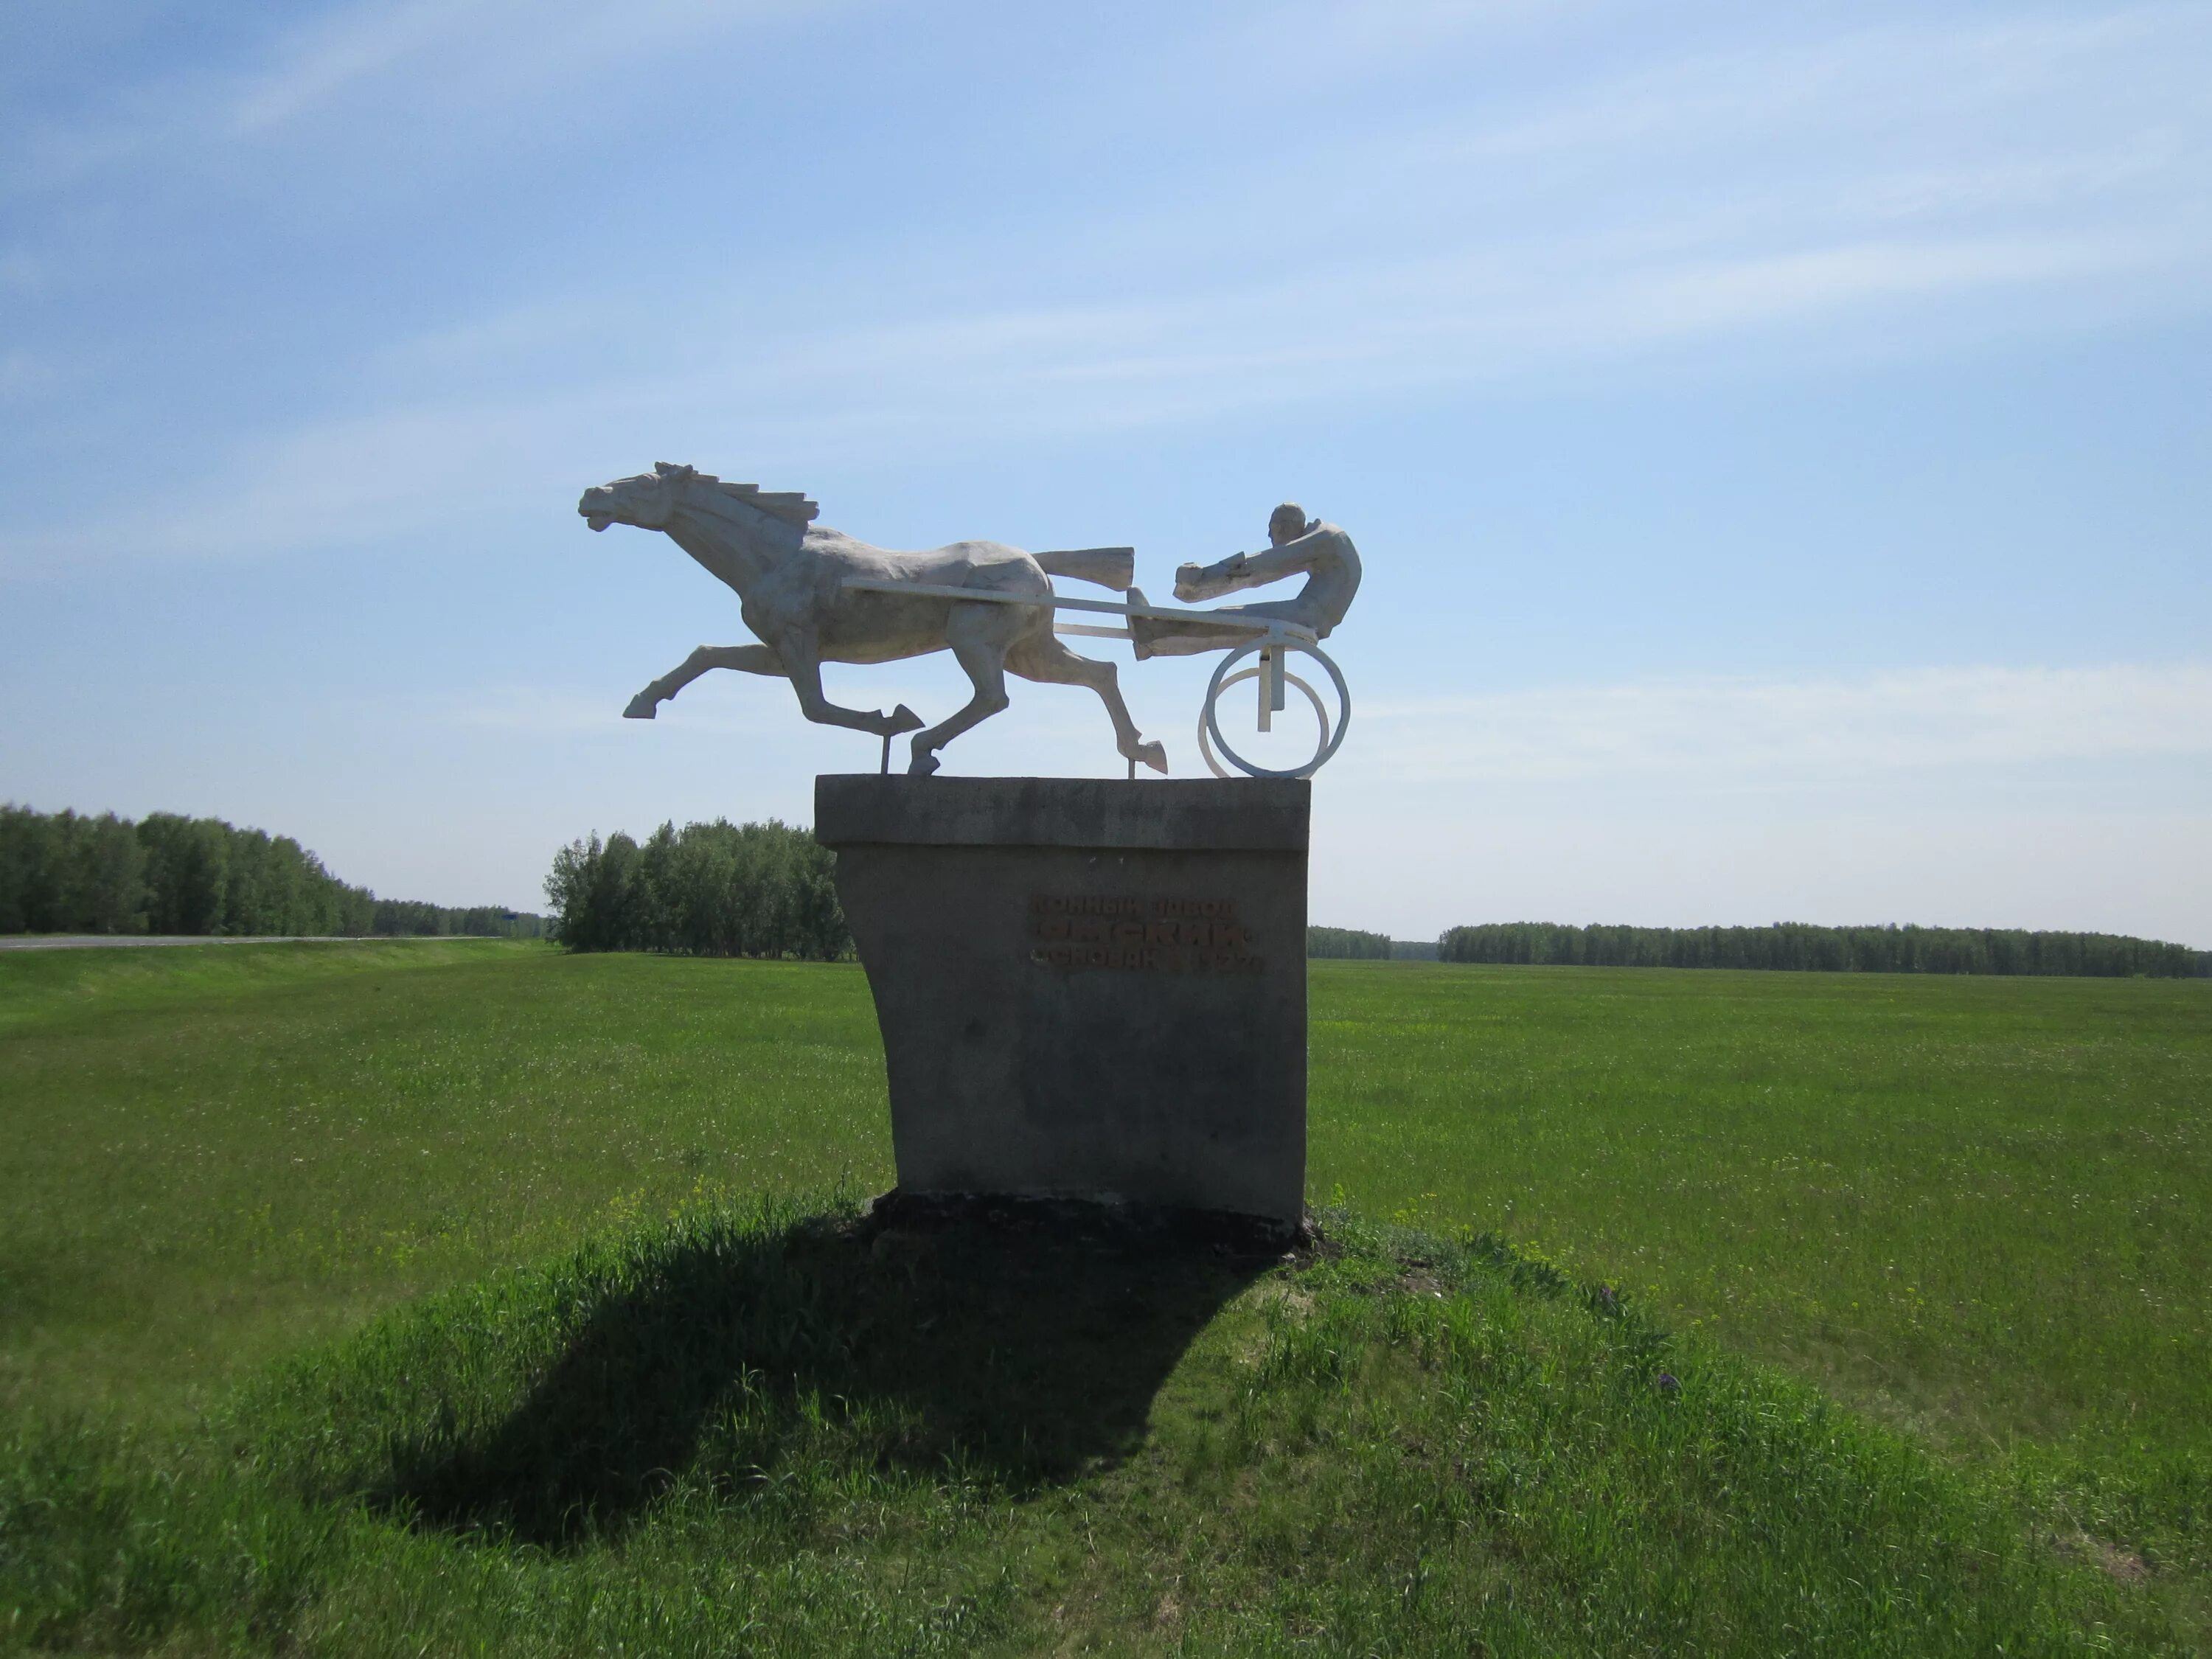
(314, 1261)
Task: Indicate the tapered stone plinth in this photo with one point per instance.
(1087, 988)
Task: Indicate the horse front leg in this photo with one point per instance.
(746, 659)
(802, 661)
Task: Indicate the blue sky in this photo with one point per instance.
(1779, 437)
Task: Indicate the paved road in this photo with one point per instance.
(112, 941)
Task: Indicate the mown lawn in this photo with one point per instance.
(1977, 1210)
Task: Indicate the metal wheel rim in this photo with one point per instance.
(1320, 714)
(1210, 720)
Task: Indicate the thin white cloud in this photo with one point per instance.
(938, 384)
(1311, 45)
(1736, 294)
(499, 49)
(1667, 861)
(1702, 734)
(476, 60)
(1881, 79)
(1752, 733)
(1876, 192)
(334, 53)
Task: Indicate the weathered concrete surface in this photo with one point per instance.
(1087, 988)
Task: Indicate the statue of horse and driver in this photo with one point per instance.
(813, 595)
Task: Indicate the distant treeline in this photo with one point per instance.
(1799, 945)
(63, 873)
(412, 917)
(1342, 942)
(711, 890)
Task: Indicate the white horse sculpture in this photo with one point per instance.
(790, 575)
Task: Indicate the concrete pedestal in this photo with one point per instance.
(1087, 988)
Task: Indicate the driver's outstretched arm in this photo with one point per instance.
(1293, 557)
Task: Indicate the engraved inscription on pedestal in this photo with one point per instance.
(1139, 933)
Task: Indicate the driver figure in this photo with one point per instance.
(1296, 543)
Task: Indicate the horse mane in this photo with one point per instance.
(791, 506)
(788, 505)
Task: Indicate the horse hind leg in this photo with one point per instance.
(985, 663)
(1049, 662)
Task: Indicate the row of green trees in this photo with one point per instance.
(1799, 945)
(64, 873)
(1339, 943)
(412, 917)
(719, 888)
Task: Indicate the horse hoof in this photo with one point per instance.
(642, 707)
(1154, 755)
(922, 765)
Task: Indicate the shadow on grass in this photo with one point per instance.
(1012, 1347)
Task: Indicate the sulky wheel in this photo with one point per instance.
(1332, 734)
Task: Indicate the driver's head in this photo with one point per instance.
(1287, 523)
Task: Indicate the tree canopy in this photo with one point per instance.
(1342, 942)
(1804, 947)
(719, 888)
(63, 872)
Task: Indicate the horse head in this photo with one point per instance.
(1210, 581)
(645, 499)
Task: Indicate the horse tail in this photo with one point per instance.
(1109, 567)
